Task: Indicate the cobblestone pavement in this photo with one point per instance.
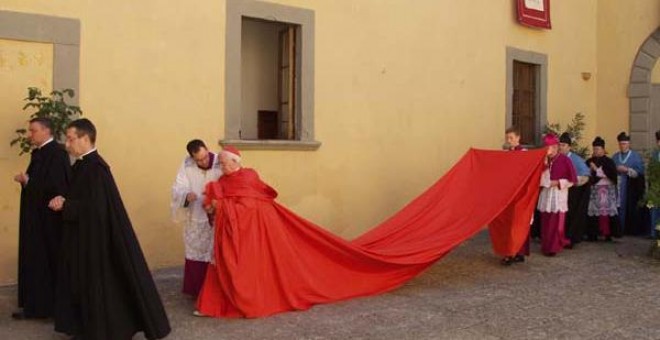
(597, 291)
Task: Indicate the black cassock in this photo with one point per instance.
(577, 218)
(40, 229)
(105, 289)
(637, 216)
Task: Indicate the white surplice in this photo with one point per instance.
(197, 232)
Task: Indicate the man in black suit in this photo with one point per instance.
(47, 176)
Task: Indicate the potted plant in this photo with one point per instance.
(54, 107)
(652, 198)
(576, 129)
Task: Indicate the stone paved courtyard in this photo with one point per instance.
(596, 291)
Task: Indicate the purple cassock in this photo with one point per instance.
(553, 203)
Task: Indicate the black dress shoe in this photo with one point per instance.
(19, 316)
(519, 258)
(507, 261)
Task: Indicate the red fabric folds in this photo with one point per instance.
(269, 260)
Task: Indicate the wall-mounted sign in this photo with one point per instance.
(535, 13)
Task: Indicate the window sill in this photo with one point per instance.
(272, 144)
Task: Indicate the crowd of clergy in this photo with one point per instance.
(596, 199)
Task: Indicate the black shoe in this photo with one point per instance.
(19, 316)
(507, 261)
(550, 254)
(608, 239)
(519, 258)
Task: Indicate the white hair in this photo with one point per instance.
(234, 157)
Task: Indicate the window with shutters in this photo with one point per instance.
(269, 81)
(269, 70)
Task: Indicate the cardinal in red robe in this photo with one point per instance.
(268, 260)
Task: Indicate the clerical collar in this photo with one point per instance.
(46, 142)
(211, 159)
(87, 153)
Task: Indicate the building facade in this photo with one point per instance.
(349, 108)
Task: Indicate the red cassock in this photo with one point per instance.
(269, 260)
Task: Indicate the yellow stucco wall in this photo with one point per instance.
(655, 75)
(22, 64)
(623, 26)
(402, 89)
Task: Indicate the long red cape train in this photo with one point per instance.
(269, 260)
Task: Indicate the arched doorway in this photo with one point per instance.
(644, 95)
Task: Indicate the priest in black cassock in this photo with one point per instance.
(105, 289)
(47, 176)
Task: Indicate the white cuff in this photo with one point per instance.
(582, 180)
(564, 183)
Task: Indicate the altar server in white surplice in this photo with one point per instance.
(198, 169)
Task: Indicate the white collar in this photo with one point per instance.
(46, 142)
(87, 153)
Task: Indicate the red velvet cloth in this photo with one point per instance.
(269, 260)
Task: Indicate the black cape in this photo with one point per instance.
(105, 289)
(40, 229)
(609, 168)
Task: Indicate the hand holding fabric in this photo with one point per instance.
(191, 197)
(210, 208)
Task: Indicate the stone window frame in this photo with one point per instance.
(642, 124)
(62, 33)
(530, 57)
(304, 18)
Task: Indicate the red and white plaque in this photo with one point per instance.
(534, 13)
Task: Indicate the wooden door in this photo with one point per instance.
(524, 108)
